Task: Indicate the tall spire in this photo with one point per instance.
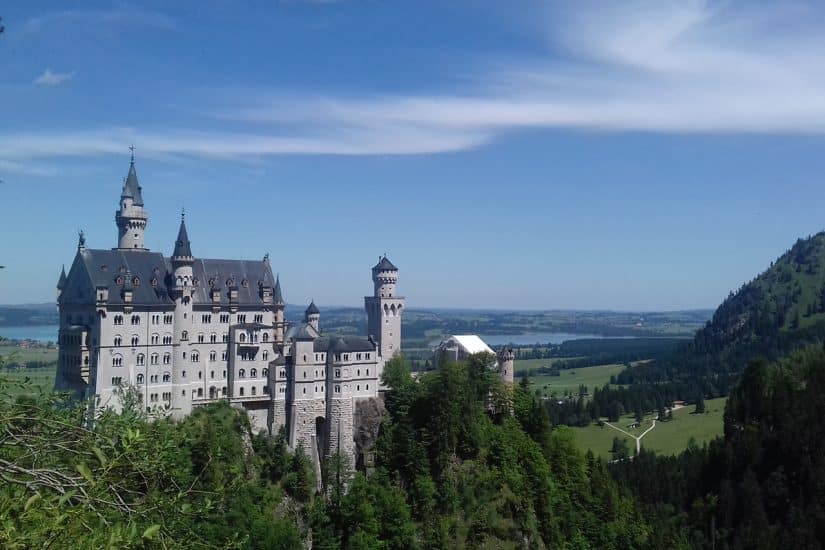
(183, 247)
(131, 188)
(278, 298)
(131, 218)
(61, 282)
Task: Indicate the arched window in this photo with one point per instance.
(184, 335)
(167, 377)
(135, 319)
(118, 319)
(253, 373)
(242, 337)
(117, 361)
(141, 359)
(265, 355)
(213, 338)
(118, 340)
(265, 372)
(153, 359)
(135, 340)
(241, 391)
(213, 355)
(266, 337)
(241, 373)
(200, 392)
(140, 379)
(195, 357)
(167, 359)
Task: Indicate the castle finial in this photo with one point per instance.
(81, 239)
(266, 258)
(182, 213)
(132, 149)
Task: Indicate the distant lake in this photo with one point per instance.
(41, 333)
(536, 337)
(540, 337)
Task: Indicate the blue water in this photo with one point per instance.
(539, 337)
(41, 333)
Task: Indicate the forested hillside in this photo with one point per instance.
(781, 310)
(763, 486)
(461, 461)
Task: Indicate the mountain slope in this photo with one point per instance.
(780, 310)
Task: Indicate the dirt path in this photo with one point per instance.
(639, 438)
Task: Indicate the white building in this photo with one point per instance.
(186, 331)
(460, 346)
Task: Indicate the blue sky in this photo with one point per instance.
(506, 155)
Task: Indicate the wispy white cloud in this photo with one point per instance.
(665, 66)
(49, 78)
(103, 20)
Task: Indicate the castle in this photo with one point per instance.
(186, 331)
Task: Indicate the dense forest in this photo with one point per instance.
(461, 461)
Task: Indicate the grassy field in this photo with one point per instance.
(26, 381)
(570, 379)
(525, 364)
(20, 355)
(666, 438)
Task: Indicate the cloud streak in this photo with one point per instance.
(669, 67)
(49, 78)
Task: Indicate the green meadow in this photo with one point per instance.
(670, 437)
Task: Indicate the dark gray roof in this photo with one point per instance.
(301, 332)
(182, 245)
(384, 264)
(102, 268)
(225, 273)
(338, 344)
(93, 268)
(278, 298)
(312, 309)
(131, 188)
(61, 282)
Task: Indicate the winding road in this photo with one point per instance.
(639, 438)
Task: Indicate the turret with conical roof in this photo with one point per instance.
(61, 282)
(278, 301)
(384, 308)
(312, 316)
(131, 218)
(183, 248)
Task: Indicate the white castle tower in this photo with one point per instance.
(131, 218)
(384, 309)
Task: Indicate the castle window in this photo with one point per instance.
(155, 338)
(200, 375)
(359, 372)
(265, 372)
(119, 280)
(223, 355)
(167, 319)
(167, 358)
(118, 340)
(136, 281)
(213, 355)
(253, 390)
(368, 356)
(241, 373)
(223, 390)
(213, 338)
(305, 374)
(337, 373)
(259, 318)
(358, 387)
(243, 337)
(265, 355)
(211, 375)
(241, 391)
(368, 372)
(245, 283)
(134, 340)
(118, 319)
(153, 378)
(357, 356)
(196, 357)
(337, 388)
(253, 373)
(305, 358)
(224, 318)
(140, 379)
(200, 338)
(305, 391)
(167, 377)
(117, 381)
(200, 392)
(184, 335)
(368, 386)
(141, 359)
(154, 281)
(224, 337)
(266, 337)
(183, 393)
(223, 374)
(183, 374)
(346, 357)
(241, 318)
